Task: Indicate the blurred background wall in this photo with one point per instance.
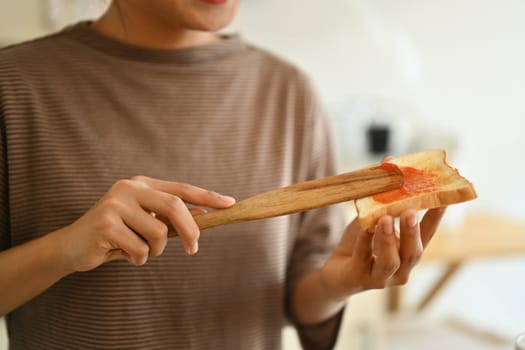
(438, 73)
(447, 73)
(452, 69)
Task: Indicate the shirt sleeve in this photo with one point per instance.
(318, 231)
(4, 205)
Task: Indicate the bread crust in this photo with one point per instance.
(451, 188)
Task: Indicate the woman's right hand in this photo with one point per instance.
(130, 222)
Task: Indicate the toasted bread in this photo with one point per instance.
(430, 182)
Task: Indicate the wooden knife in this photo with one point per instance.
(305, 196)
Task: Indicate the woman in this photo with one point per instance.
(105, 125)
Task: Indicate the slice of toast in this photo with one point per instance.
(430, 182)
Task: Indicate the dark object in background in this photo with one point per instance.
(378, 138)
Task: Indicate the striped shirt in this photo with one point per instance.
(78, 111)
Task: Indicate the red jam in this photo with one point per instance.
(415, 181)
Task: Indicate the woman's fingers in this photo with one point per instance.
(193, 211)
(387, 259)
(188, 193)
(362, 258)
(134, 198)
(381, 257)
(152, 230)
(142, 196)
(130, 222)
(411, 246)
(135, 248)
(168, 201)
(401, 254)
(197, 211)
(176, 212)
(349, 239)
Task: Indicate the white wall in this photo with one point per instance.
(24, 19)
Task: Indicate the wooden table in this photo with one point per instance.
(481, 235)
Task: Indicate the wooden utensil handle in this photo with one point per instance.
(305, 196)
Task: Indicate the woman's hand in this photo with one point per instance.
(130, 222)
(378, 257)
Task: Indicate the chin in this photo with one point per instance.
(210, 26)
(208, 17)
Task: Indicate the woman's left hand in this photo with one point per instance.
(378, 257)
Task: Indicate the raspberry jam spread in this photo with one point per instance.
(415, 181)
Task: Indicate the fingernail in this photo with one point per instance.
(226, 198)
(412, 220)
(193, 249)
(387, 228)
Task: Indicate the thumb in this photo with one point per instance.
(348, 241)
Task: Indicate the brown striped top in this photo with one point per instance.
(79, 111)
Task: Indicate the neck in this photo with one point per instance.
(146, 32)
